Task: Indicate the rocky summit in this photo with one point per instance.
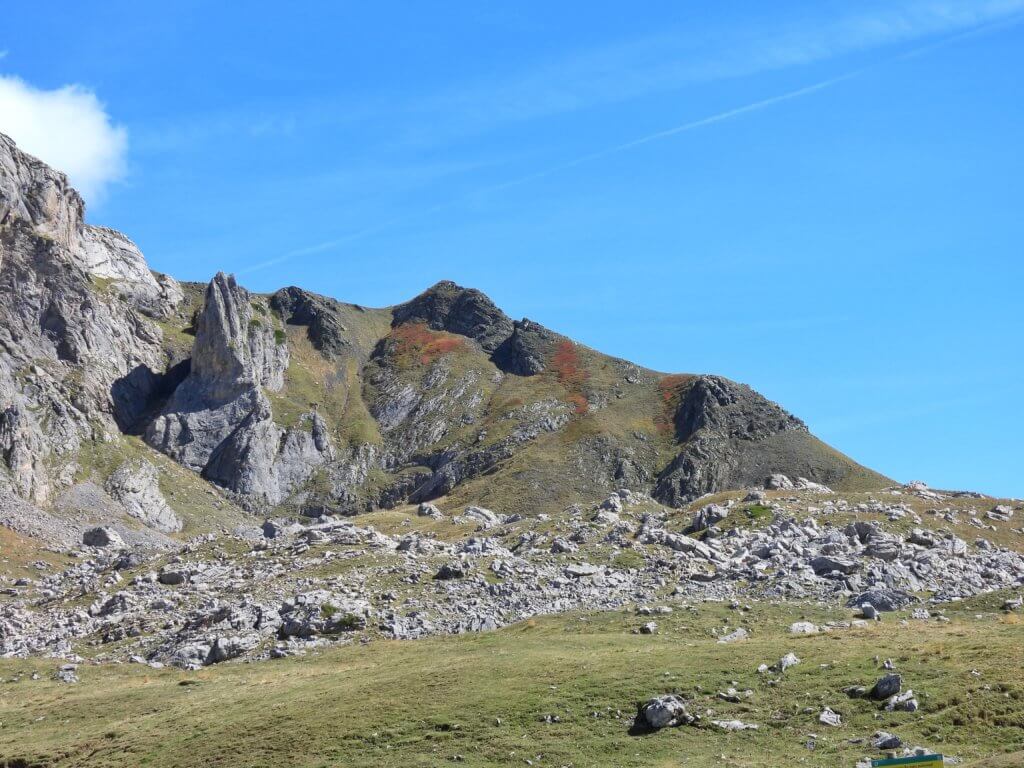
(194, 475)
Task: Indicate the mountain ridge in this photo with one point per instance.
(294, 402)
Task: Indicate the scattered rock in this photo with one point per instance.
(885, 740)
(829, 717)
(665, 711)
(102, 536)
(735, 725)
(803, 628)
(735, 636)
(887, 686)
(787, 661)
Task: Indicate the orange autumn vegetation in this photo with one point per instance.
(579, 403)
(417, 341)
(670, 388)
(565, 362)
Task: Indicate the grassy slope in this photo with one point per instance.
(332, 385)
(201, 506)
(18, 555)
(421, 703)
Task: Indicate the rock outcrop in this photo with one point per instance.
(527, 350)
(320, 315)
(136, 485)
(465, 311)
(68, 332)
(219, 421)
(732, 437)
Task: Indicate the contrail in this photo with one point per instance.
(664, 134)
(692, 125)
(719, 117)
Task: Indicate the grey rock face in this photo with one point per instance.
(219, 422)
(235, 348)
(108, 254)
(526, 351)
(728, 434)
(23, 449)
(31, 191)
(319, 314)
(136, 486)
(731, 409)
(65, 340)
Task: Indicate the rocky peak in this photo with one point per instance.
(465, 311)
(219, 421)
(526, 351)
(41, 199)
(730, 436)
(67, 338)
(32, 192)
(320, 315)
(734, 410)
(234, 348)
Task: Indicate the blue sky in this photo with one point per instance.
(821, 199)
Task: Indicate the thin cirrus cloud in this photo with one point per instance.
(67, 128)
(955, 25)
(675, 59)
(587, 78)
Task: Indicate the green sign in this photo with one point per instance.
(921, 761)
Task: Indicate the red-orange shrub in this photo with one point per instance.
(566, 364)
(579, 403)
(415, 341)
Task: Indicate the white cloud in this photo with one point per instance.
(67, 128)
